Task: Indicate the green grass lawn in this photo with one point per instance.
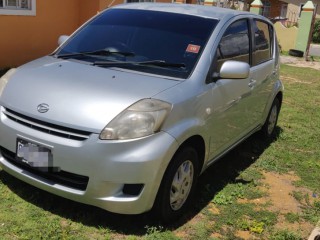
(261, 190)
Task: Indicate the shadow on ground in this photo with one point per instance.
(216, 177)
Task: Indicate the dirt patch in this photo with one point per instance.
(245, 235)
(280, 197)
(294, 80)
(280, 189)
(216, 236)
(213, 209)
(299, 62)
(302, 227)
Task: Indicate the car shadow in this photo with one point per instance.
(213, 180)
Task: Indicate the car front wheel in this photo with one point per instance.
(178, 185)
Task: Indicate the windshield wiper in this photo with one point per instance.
(102, 52)
(160, 63)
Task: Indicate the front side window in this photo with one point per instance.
(262, 42)
(18, 7)
(147, 41)
(235, 43)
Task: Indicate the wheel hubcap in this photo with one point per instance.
(272, 119)
(181, 185)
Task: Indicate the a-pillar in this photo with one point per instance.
(304, 26)
(256, 7)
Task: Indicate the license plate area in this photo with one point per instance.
(34, 155)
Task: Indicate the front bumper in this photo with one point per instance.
(108, 166)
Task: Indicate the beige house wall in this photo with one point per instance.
(286, 36)
(293, 12)
(294, 7)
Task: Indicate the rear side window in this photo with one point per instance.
(235, 43)
(262, 50)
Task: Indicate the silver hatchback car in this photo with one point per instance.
(138, 102)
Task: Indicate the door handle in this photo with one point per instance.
(252, 83)
(274, 73)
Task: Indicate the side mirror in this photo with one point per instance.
(234, 70)
(62, 39)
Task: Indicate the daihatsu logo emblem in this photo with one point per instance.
(43, 108)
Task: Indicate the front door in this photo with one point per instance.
(230, 118)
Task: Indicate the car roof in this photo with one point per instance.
(189, 9)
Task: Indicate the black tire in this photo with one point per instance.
(295, 53)
(268, 129)
(166, 207)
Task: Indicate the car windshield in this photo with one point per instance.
(134, 37)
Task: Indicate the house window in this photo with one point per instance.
(18, 7)
(266, 8)
(284, 10)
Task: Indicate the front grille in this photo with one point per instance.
(49, 128)
(67, 179)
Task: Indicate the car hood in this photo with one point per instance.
(79, 96)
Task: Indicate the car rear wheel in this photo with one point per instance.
(178, 185)
(268, 129)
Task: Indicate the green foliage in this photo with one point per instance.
(158, 233)
(316, 32)
(292, 217)
(299, 196)
(312, 213)
(253, 226)
(256, 227)
(230, 193)
(222, 199)
(285, 235)
(251, 174)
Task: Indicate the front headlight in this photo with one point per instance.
(5, 79)
(141, 119)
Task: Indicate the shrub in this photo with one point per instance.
(316, 32)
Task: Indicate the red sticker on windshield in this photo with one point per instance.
(193, 48)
